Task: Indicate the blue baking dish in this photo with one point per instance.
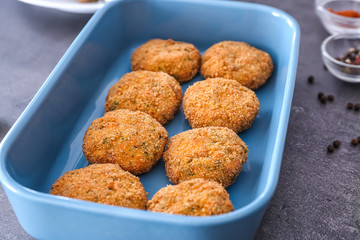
(46, 140)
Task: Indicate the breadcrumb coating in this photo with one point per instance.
(179, 59)
(211, 153)
(197, 197)
(239, 61)
(222, 103)
(102, 183)
(155, 93)
(132, 139)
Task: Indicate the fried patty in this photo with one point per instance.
(179, 59)
(239, 61)
(155, 93)
(132, 139)
(222, 103)
(212, 153)
(102, 183)
(196, 197)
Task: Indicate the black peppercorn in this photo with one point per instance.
(331, 98)
(336, 143)
(351, 57)
(358, 138)
(354, 142)
(311, 79)
(357, 107)
(320, 94)
(350, 106)
(323, 99)
(330, 148)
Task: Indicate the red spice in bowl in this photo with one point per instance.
(346, 13)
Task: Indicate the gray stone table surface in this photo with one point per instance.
(318, 194)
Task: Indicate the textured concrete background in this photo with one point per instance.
(318, 195)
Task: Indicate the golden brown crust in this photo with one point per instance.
(134, 140)
(102, 183)
(196, 197)
(222, 103)
(179, 59)
(239, 61)
(155, 93)
(212, 153)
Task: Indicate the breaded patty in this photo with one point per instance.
(155, 93)
(132, 139)
(222, 103)
(239, 61)
(102, 183)
(197, 197)
(179, 59)
(212, 153)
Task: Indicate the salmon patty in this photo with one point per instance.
(211, 153)
(179, 59)
(197, 197)
(239, 61)
(155, 93)
(102, 183)
(132, 139)
(222, 103)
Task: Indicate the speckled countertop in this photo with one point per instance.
(318, 194)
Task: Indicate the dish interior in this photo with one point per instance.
(48, 141)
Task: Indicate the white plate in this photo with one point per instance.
(68, 5)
